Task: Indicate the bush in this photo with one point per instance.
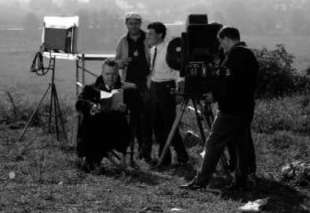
(280, 148)
(285, 114)
(276, 114)
(277, 77)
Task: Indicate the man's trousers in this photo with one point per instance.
(226, 129)
(163, 116)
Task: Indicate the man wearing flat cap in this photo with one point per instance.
(132, 55)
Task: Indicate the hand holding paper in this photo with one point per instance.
(115, 98)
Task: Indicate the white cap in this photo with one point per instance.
(133, 15)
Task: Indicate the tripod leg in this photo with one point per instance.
(59, 113)
(202, 134)
(33, 114)
(50, 110)
(172, 132)
(208, 114)
(55, 111)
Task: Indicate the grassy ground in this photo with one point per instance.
(39, 174)
(46, 177)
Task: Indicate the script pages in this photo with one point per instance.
(112, 100)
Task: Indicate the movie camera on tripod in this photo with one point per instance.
(197, 55)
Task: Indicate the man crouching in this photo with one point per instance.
(103, 126)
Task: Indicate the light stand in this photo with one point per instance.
(55, 113)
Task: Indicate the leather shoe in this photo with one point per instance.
(252, 180)
(193, 185)
(237, 186)
(151, 162)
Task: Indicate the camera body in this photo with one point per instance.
(196, 54)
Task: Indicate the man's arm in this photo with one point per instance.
(227, 76)
(121, 57)
(84, 101)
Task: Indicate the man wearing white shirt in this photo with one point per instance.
(161, 81)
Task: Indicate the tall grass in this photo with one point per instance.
(288, 113)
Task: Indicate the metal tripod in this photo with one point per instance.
(205, 114)
(55, 113)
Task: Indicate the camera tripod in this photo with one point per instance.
(55, 113)
(205, 114)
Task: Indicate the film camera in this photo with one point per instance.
(195, 54)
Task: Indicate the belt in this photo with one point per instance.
(164, 83)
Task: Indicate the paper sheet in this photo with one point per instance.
(116, 96)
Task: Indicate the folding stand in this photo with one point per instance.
(55, 113)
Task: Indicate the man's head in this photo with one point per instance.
(156, 33)
(109, 72)
(133, 22)
(228, 37)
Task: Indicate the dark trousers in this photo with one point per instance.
(99, 134)
(138, 102)
(226, 129)
(251, 162)
(163, 116)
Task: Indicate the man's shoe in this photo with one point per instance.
(237, 186)
(150, 162)
(252, 180)
(98, 170)
(182, 161)
(193, 185)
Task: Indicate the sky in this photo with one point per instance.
(52, 0)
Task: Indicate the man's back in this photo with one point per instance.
(241, 74)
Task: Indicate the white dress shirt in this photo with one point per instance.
(161, 72)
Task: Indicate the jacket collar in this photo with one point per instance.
(140, 38)
(239, 44)
(100, 84)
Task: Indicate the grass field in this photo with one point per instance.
(39, 174)
(47, 178)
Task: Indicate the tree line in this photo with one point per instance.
(251, 16)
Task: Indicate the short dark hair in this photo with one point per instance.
(110, 62)
(158, 27)
(229, 32)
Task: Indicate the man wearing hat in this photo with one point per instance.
(132, 55)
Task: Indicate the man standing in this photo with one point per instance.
(235, 97)
(132, 55)
(161, 81)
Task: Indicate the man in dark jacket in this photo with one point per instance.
(103, 128)
(235, 97)
(132, 55)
